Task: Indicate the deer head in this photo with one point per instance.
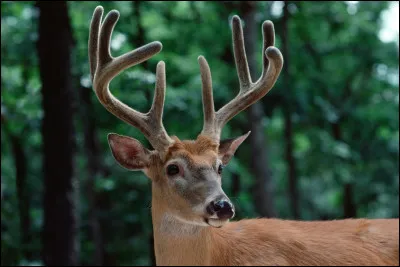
(186, 175)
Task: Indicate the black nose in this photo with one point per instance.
(222, 208)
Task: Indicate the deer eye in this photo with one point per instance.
(172, 169)
(220, 168)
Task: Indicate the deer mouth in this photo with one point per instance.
(217, 223)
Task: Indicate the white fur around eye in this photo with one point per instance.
(181, 183)
(218, 162)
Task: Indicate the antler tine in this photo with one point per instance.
(94, 39)
(268, 40)
(157, 107)
(207, 96)
(104, 68)
(242, 67)
(249, 92)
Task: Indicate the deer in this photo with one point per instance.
(192, 217)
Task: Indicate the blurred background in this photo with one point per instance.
(324, 142)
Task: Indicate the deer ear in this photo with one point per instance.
(129, 152)
(227, 147)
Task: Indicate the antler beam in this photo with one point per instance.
(104, 68)
(249, 92)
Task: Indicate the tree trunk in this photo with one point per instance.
(349, 207)
(263, 190)
(60, 221)
(291, 162)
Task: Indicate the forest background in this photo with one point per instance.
(324, 142)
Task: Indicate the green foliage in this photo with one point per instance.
(341, 75)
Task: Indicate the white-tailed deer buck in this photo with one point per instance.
(190, 211)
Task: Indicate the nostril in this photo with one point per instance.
(211, 208)
(224, 209)
(220, 205)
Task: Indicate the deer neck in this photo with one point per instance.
(177, 242)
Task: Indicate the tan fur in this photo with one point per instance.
(202, 150)
(281, 242)
(268, 242)
(197, 147)
(264, 241)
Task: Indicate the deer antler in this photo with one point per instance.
(249, 92)
(104, 68)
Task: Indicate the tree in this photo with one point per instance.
(288, 132)
(60, 221)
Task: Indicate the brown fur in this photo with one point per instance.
(267, 241)
(202, 150)
(189, 148)
(181, 237)
(283, 242)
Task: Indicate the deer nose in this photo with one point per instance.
(222, 208)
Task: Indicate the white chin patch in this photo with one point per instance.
(217, 222)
